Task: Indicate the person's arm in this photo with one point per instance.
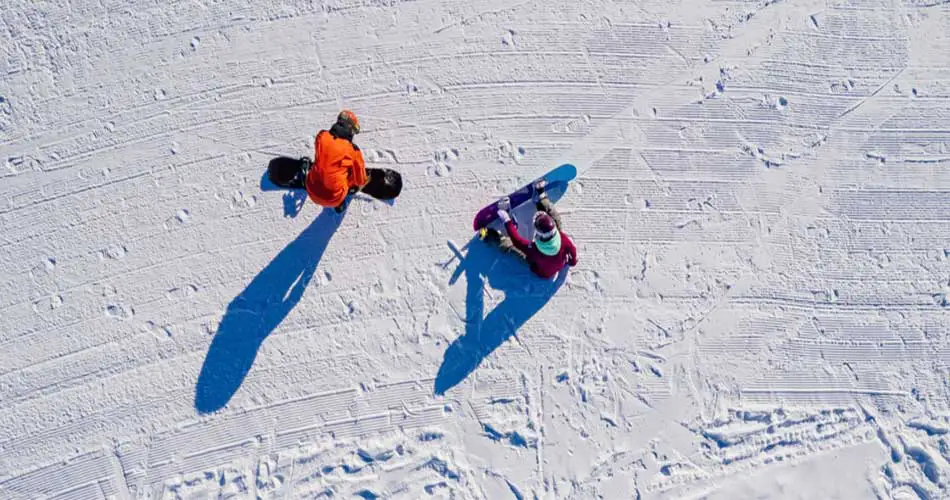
(357, 169)
(516, 239)
(316, 146)
(571, 251)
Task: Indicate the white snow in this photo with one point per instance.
(762, 212)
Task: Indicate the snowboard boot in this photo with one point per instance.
(305, 165)
(491, 235)
(346, 201)
(540, 197)
(539, 193)
(300, 180)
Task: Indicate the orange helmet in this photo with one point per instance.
(348, 119)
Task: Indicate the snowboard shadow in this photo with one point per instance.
(258, 310)
(294, 199)
(525, 295)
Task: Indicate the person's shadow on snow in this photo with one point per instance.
(525, 295)
(257, 311)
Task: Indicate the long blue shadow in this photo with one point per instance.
(257, 311)
(525, 295)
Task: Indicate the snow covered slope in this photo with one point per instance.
(761, 307)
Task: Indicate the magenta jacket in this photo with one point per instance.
(544, 266)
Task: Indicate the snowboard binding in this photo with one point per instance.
(539, 193)
(288, 172)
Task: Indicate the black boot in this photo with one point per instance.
(489, 234)
(539, 195)
(342, 206)
(300, 179)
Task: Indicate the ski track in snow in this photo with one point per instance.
(762, 212)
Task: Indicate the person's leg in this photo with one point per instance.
(504, 242)
(506, 245)
(544, 204)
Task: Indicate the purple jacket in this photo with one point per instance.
(543, 265)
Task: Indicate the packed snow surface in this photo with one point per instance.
(761, 307)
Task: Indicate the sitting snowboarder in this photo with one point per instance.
(551, 249)
(338, 169)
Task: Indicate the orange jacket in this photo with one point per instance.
(338, 166)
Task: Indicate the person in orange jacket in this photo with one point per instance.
(338, 169)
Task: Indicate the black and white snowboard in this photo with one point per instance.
(287, 172)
